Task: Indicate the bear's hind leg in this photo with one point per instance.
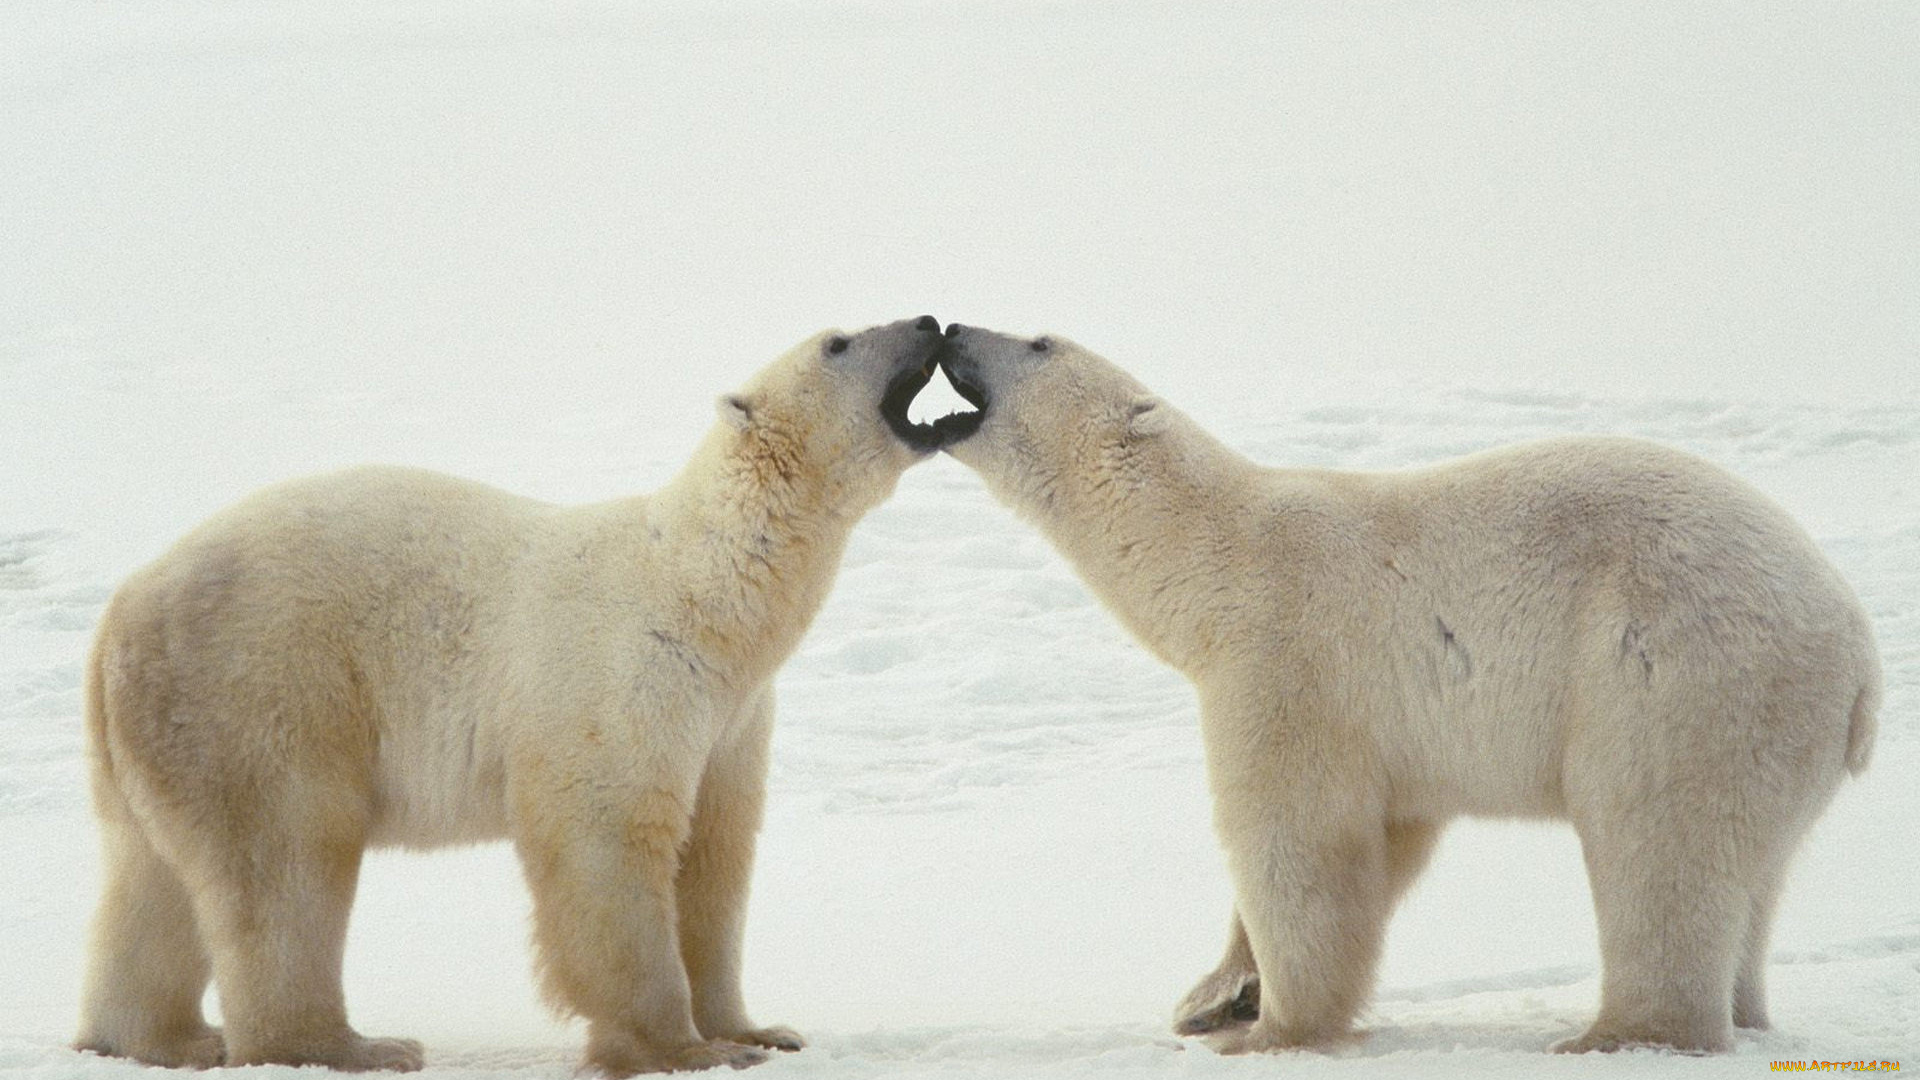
(1672, 907)
(148, 969)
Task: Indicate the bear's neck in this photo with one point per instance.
(759, 539)
(1148, 530)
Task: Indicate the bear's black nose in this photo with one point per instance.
(953, 329)
(927, 323)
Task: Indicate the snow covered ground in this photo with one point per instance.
(529, 243)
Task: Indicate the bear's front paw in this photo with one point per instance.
(1242, 1040)
(1223, 999)
(1258, 1038)
(714, 1054)
(390, 1055)
(206, 1048)
(198, 1047)
(630, 1057)
(342, 1051)
(773, 1038)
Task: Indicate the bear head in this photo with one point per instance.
(831, 414)
(1048, 411)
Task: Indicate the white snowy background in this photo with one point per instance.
(529, 242)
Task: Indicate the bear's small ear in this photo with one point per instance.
(1146, 417)
(736, 410)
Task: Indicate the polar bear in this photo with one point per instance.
(1597, 630)
(394, 657)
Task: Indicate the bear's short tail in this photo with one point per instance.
(1860, 730)
(96, 722)
(109, 801)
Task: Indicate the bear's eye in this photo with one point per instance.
(1040, 344)
(836, 345)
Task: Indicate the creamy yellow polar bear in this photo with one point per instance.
(393, 657)
(1598, 630)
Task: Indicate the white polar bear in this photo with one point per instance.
(1598, 630)
(394, 657)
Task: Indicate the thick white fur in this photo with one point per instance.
(1593, 629)
(389, 656)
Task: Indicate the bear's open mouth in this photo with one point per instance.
(948, 429)
(958, 425)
